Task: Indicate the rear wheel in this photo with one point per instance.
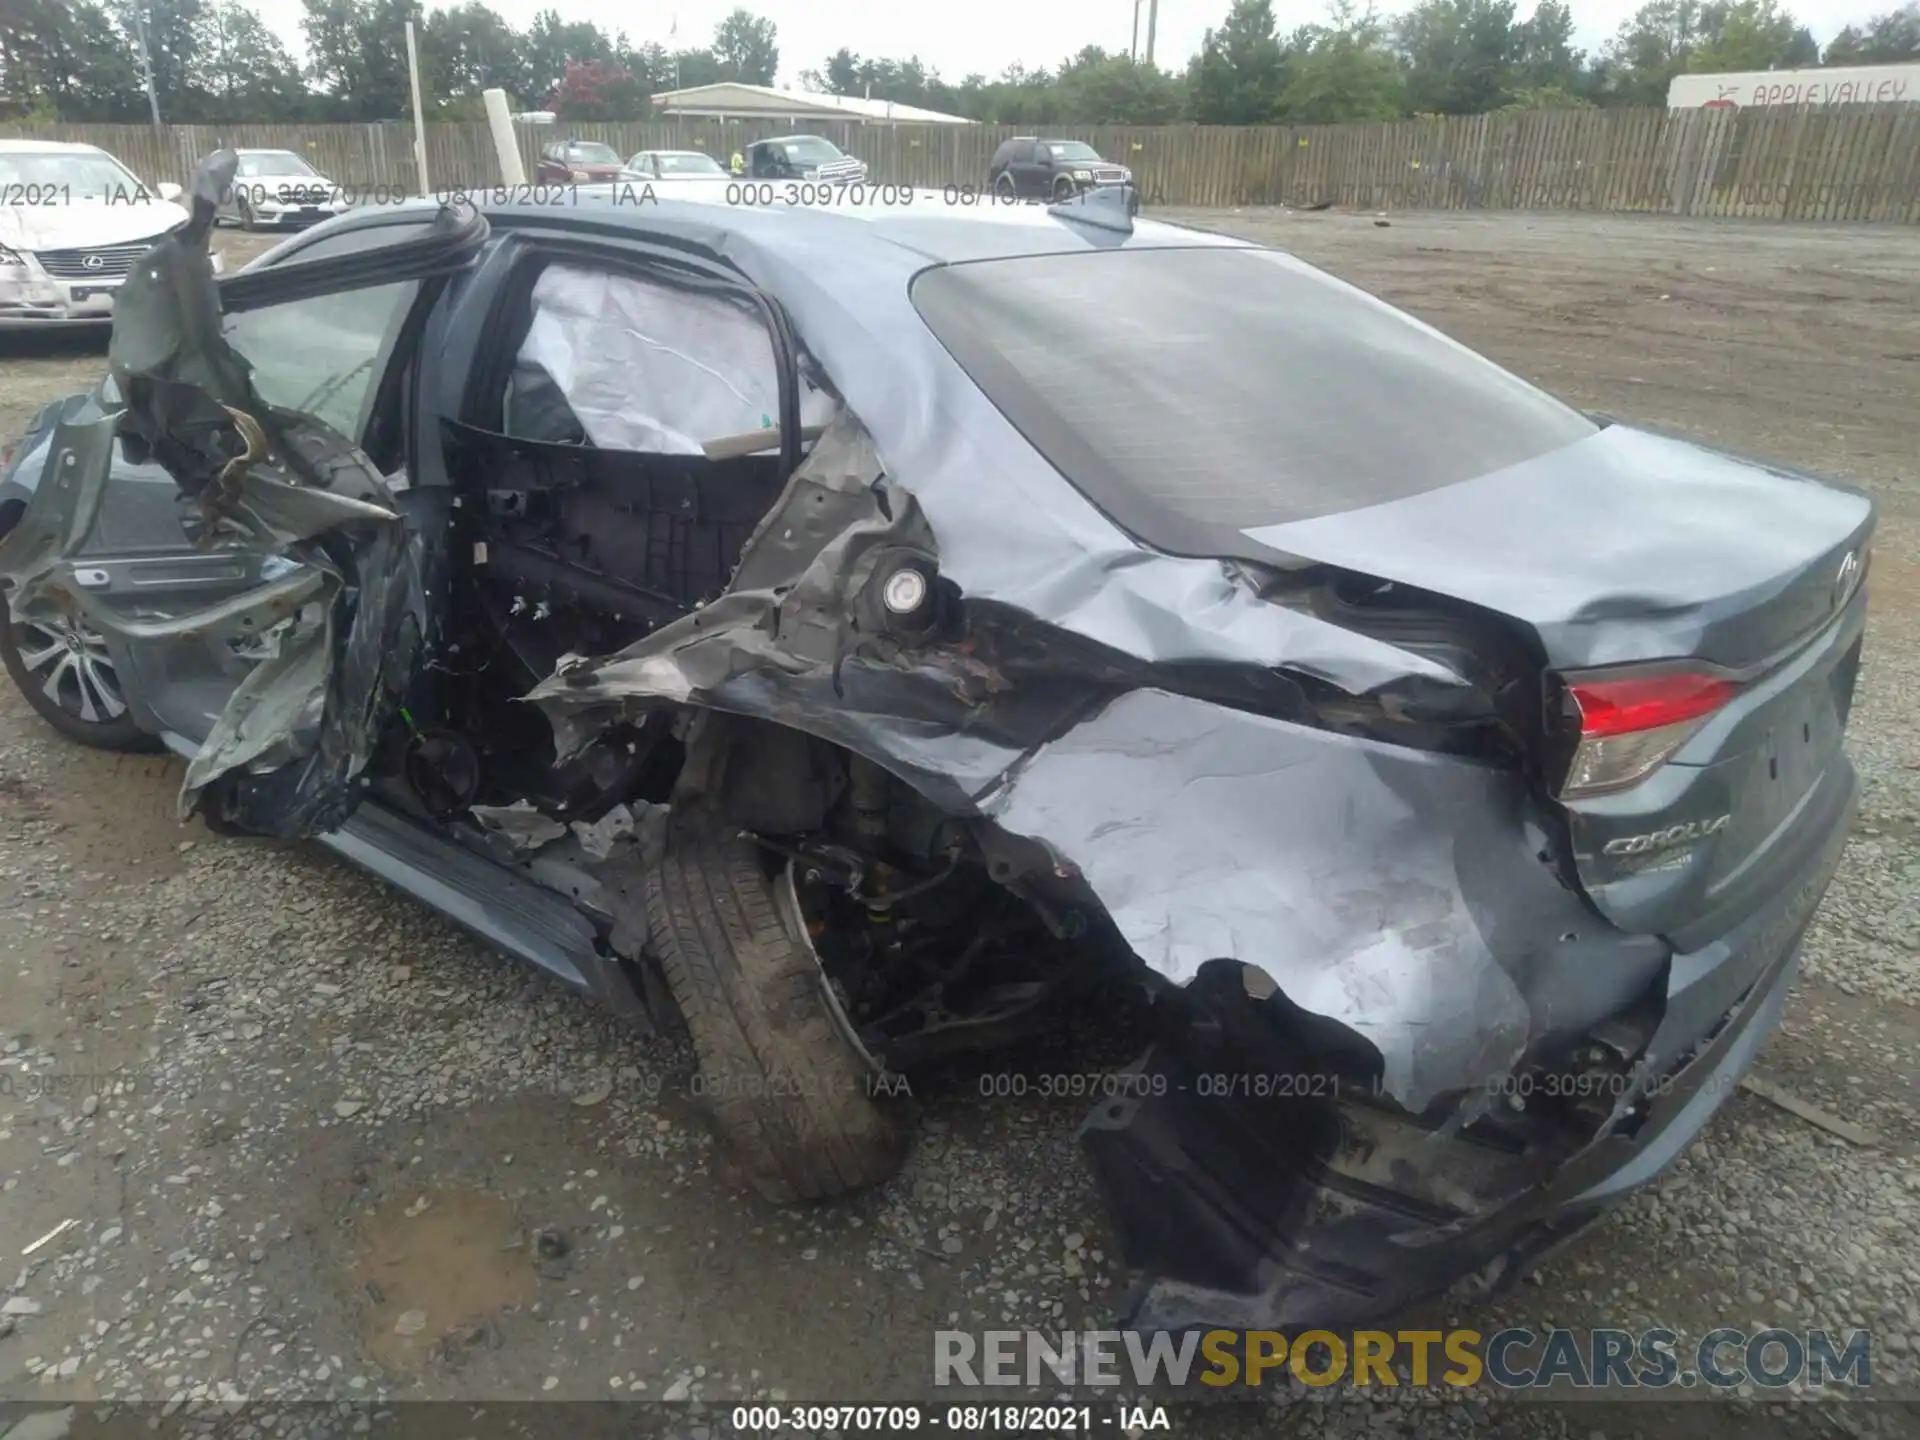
(1003, 187)
(786, 1089)
(67, 675)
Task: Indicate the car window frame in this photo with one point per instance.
(419, 256)
(383, 355)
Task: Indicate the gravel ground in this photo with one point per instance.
(319, 1146)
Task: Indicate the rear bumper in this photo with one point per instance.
(1322, 1211)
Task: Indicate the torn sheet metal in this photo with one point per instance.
(650, 367)
(600, 837)
(519, 825)
(1205, 832)
(338, 622)
(1210, 833)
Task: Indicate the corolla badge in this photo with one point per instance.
(1844, 578)
(1666, 839)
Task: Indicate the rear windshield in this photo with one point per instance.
(1187, 390)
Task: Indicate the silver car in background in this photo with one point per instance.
(275, 188)
(652, 166)
(73, 220)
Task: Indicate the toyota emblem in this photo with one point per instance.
(93, 262)
(1843, 580)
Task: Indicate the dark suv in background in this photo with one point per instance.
(1028, 168)
(578, 162)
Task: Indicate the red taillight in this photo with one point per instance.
(1632, 725)
(1624, 707)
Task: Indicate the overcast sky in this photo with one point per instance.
(988, 35)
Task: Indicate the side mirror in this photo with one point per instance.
(167, 190)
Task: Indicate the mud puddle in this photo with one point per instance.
(436, 1269)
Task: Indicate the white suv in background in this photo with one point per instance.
(72, 222)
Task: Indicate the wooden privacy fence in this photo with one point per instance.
(1843, 162)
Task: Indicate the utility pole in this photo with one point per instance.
(1133, 52)
(1153, 23)
(153, 96)
(146, 66)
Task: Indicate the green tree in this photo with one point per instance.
(357, 56)
(1459, 55)
(1544, 57)
(688, 68)
(1096, 88)
(1653, 47)
(246, 72)
(746, 48)
(1342, 71)
(1751, 35)
(65, 60)
(841, 73)
(1241, 70)
(1887, 39)
(175, 35)
(468, 48)
(649, 64)
(1547, 97)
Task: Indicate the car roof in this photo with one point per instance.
(930, 227)
(267, 150)
(46, 147)
(910, 235)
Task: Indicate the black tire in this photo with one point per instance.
(244, 208)
(1064, 188)
(1003, 187)
(785, 1089)
(87, 705)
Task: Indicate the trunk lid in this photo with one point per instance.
(1626, 550)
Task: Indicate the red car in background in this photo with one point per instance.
(578, 162)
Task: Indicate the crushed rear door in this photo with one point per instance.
(333, 610)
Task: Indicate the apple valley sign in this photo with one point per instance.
(1840, 85)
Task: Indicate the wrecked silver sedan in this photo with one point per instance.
(858, 633)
